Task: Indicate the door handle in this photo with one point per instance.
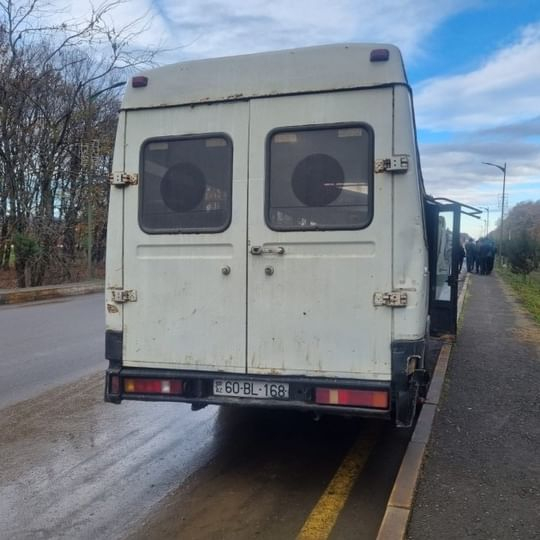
(259, 250)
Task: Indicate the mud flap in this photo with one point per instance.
(422, 378)
(406, 401)
(408, 375)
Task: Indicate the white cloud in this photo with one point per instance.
(492, 115)
(146, 24)
(455, 170)
(223, 27)
(211, 28)
(490, 111)
(506, 89)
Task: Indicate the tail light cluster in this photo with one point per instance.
(153, 386)
(376, 399)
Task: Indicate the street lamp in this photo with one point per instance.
(503, 169)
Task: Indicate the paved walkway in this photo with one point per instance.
(481, 477)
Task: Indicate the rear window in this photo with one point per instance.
(320, 178)
(186, 184)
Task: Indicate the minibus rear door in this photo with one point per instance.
(318, 236)
(184, 250)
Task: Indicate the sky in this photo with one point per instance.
(474, 67)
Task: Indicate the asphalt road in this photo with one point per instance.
(75, 467)
(45, 344)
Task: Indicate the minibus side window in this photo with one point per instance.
(186, 184)
(320, 178)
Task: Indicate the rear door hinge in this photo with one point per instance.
(396, 164)
(120, 296)
(121, 179)
(391, 299)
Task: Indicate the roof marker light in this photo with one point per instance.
(379, 55)
(139, 82)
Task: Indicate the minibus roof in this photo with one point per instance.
(295, 71)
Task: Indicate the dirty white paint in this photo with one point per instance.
(188, 314)
(314, 315)
(305, 70)
(115, 230)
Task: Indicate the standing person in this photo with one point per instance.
(490, 258)
(470, 253)
(483, 255)
(478, 259)
(461, 256)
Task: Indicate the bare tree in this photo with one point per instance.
(56, 129)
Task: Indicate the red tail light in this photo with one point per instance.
(153, 386)
(376, 399)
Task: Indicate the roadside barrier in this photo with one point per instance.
(34, 294)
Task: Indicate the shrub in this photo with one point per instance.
(523, 253)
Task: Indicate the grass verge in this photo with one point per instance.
(527, 289)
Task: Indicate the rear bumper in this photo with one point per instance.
(197, 389)
(409, 378)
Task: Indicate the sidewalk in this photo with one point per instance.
(33, 294)
(481, 475)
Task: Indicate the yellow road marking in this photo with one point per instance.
(323, 517)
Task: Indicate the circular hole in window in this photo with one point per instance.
(183, 187)
(317, 180)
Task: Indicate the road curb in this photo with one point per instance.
(33, 294)
(400, 503)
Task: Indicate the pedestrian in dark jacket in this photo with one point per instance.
(461, 256)
(483, 253)
(490, 255)
(478, 256)
(470, 253)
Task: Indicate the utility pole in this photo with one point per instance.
(503, 169)
(487, 222)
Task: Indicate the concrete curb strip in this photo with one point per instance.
(400, 502)
(33, 294)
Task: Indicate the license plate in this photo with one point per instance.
(252, 389)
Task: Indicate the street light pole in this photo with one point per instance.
(503, 169)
